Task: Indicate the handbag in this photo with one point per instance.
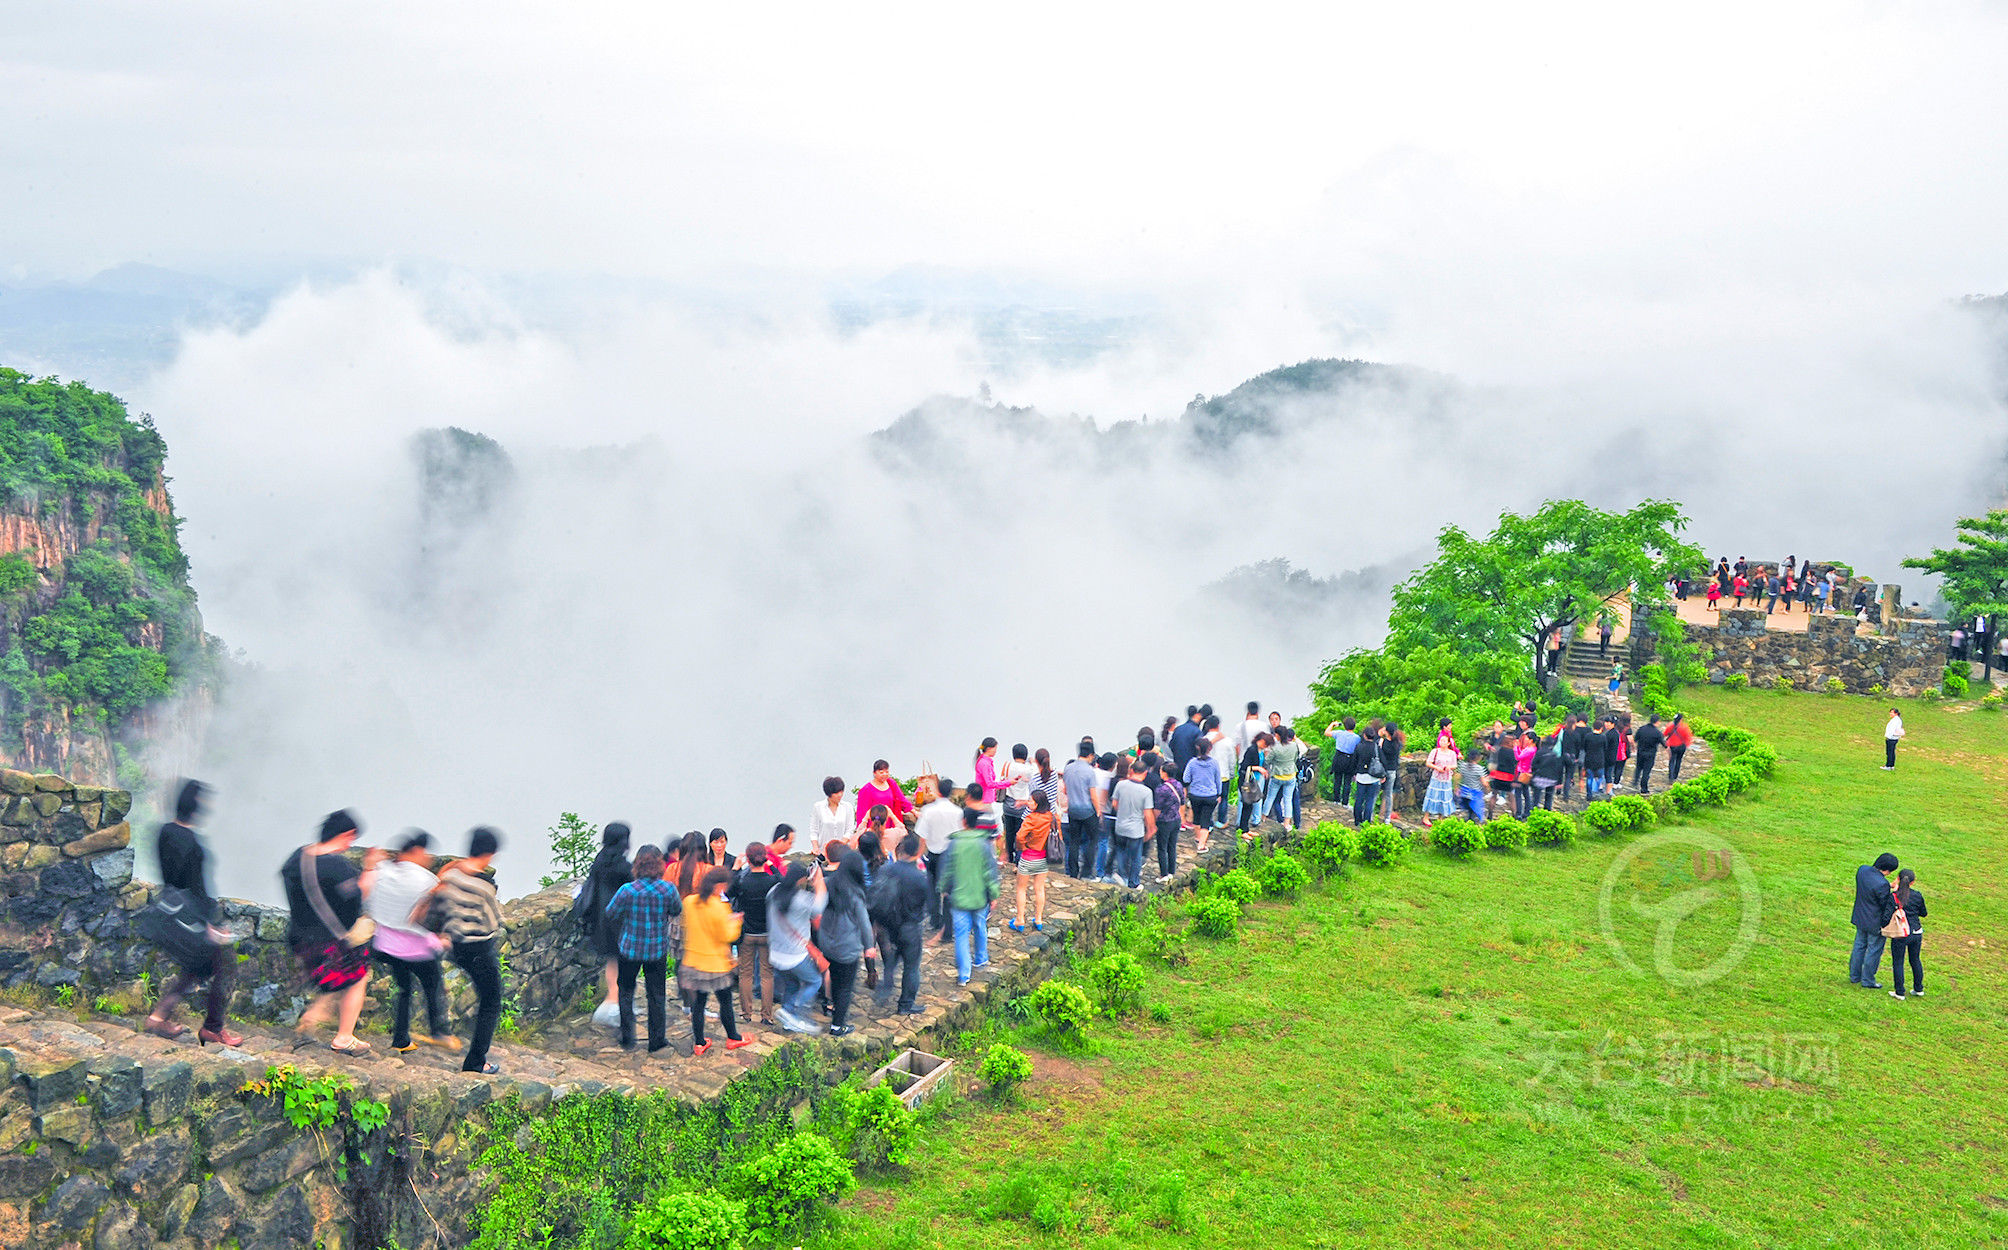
(358, 934)
(1899, 924)
(175, 922)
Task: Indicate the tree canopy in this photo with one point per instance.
(1973, 576)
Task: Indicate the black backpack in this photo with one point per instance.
(882, 897)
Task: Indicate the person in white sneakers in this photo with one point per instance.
(1891, 733)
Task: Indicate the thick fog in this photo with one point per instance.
(699, 582)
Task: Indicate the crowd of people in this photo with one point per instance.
(787, 928)
(1773, 585)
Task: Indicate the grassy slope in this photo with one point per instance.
(1373, 1064)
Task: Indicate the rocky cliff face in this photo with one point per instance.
(98, 626)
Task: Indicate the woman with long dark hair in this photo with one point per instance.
(184, 866)
(710, 927)
(846, 936)
(1035, 851)
(1912, 904)
(610, 871)
(792, 908)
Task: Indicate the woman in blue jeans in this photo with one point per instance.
(792, 908)
(1366, 786)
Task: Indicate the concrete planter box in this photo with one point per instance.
(914, 1075)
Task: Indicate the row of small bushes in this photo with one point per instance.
(1953, 684)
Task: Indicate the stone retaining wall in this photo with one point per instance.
(1906, 658)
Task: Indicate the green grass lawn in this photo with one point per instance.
(1449, 1053)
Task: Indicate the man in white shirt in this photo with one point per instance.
(1249, 728)
(1017, 796)
(937, 821)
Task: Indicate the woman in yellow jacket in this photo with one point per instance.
(710, 927)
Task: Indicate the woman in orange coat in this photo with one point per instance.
(710, 927)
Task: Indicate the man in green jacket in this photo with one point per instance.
(969, 879)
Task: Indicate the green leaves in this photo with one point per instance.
(1973, 575)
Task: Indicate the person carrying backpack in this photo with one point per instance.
(903, 899)
(610, 871)
(1369, 773)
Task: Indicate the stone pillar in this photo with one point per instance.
(1891, 607)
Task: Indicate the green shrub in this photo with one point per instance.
(1282, 875)
(16, 573)
(1736, 681)
(1876, 689)
(1327, 846)
(1782, 684)
(1836, 686)
(1458, 836)
(1506, 833)
(1117, 980)
(1215, 915)
(1955, 685)
(1685, 796)
(700, 1220)
(1639, 815)
(787, 1188)
(1689, 673)
(1550, 828)
(1737, 777)
(1761, 760)
(1713, 787)
(1237, 886)
(871, 1127)
(1604, 818)
(1141, 931)
(1932, 695)
(1064, 1008)
(1383, 845)
(1991, 701)
(1004, 1069)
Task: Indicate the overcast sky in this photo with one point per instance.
(1382, 154)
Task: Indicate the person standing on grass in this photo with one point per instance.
(325, 894)
(1084, 811)
(1892, 734)
(1205, 787)
(1679, 737)
(1912, 904)
(473, 913)
(184, 865)
(1034, 836)
(639, 912)
(970, 880)
(1281, 760)
(1440, 799)
(1648, 740)
(1368, 773)
(747, 895)
(1875, 903)
(792, 908)
(1345, 742)
(1136, 821)
(405, 946)
(846, 937)
(710, 927)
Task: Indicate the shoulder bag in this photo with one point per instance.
(174, 921)
(358, 934)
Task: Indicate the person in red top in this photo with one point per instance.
(1740, 587)
(1679, 737)
(883, 791)
(1714, 596)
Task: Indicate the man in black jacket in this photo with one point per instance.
(1875, 903)
(1648, 740)
(1573, 735)
(906, 914)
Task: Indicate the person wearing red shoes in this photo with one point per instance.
(710, 927)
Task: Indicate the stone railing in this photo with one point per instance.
(1906, 658)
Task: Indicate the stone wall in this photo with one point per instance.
(1906, 658)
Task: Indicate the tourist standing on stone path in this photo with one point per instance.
(1603, 636)
(685, 869)
(1596, 760)
(1679, 736)
(1136, 822)
(1034, 837)
(883, 791)
(846, 937)
(1224, 758)
(325, 893)
(831, 819)
(939, 817)
(1047, 780)
(757, 876)
(1440, 799)
(1368, 773)
(1471, 783)
(474, 926)
(710, 927)
(1571, 748)
(1281, 760)
(1183, 742)
(1739, 588)
(1875, 904)
(1554, 651)
(1017, 796)
(1619, 735)
(1392, 743)
(792, 908)
(1772, 587)
(639, 911)
(1892, 734)
(715, 853)
(403, 890)
(1788, 582)
(1254, 780)
(1105, 847)
(1547, 769)
(1648, 740)
(610, 871)
(1345, 742)
(878, 834)
(1244, 734)
(1204, 786)
(970, 880)
(1084, 796)
(1911, 903)
(184, 866)
(1714, 596)
(1524, 751)
(1617, 677)
(907, 893)
(1168, 802)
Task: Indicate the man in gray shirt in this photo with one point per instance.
(1136, 820)
(1084, 812)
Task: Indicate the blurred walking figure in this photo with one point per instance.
(474, 926)
(184, 866)
(325, 893)
(710, 927)
(398, 901)
(610, 871)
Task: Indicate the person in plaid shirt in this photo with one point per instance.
(642, 909)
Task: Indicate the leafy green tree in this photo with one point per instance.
(1536, 574)
(574, 843)
(1973, 576)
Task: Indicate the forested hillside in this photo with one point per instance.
(98, 624)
